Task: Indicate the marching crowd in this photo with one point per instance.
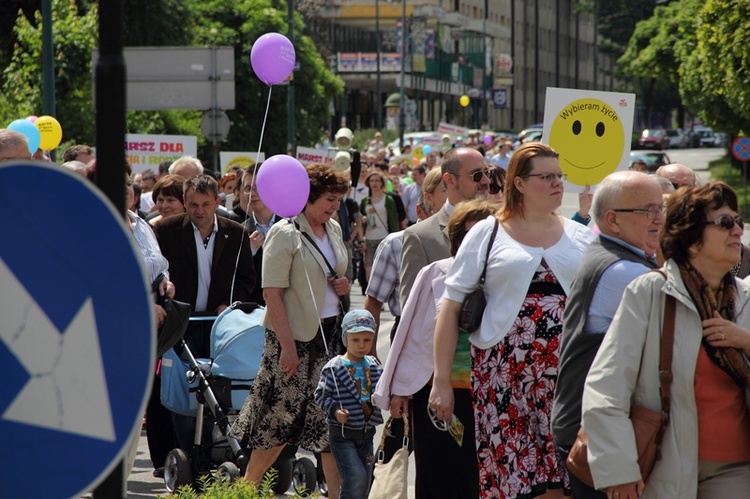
(569, 339)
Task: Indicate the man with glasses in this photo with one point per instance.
(465, 175)
(13, 145)
(679, 175)
(627, 208)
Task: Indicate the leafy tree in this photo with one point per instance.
(715, 64)
(75, 36)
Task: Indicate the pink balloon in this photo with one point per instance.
(487, 140)
(283, 185)
(31, 118)
(272, 58)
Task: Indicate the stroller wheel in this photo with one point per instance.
(284, 480)
(228, 472)
(177, 470)
(304, 476)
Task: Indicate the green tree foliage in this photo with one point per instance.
(715, 65)
(235, 23)
(75, 36)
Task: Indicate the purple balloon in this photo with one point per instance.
(272, 58)
(283, 185)
(31, 118)
(487, 140)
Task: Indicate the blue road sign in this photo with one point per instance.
(741, 148)
(500, 98)
(77, 341)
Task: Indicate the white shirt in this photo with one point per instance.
(147, 201)
(205, 252)
(509, 272)
(331, 305)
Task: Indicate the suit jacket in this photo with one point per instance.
(423, 243)
(177, 242)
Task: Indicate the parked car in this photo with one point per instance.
(653, 160)
(706, 138)
(528, 135)
(697, 133)
(654, 138)
(677, 138)
(721, 139)
(416, 139)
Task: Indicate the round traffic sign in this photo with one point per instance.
(503, 64)
(77, 340)
(741, 148)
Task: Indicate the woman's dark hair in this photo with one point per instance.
(463, 214)
(687, 209)
(497, 177)
(169, 185)
(520, 166)
(91, 170)
(324, 178)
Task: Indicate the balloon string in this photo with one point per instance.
(250, 196)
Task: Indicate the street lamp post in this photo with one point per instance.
(378, 107)
(401, 112)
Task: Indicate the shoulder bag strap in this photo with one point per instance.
(665, 359)
(307, 236)
(487, 256)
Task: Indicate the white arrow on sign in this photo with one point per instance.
(67, 389)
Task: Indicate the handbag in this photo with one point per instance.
(390, 481)
(175, 324)
(648, 425)
(472, 308)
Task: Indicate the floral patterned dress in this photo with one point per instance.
(513, 384)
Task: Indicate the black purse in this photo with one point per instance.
(176, 322)
(472, 308)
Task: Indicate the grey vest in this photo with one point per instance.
(577, 350)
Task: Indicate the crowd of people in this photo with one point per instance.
(569, 338)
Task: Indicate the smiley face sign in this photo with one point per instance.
(589, 133)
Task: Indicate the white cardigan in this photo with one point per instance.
(509, 272)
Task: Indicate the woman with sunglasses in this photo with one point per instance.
(514, 353)
(497, 182)
(706, 448)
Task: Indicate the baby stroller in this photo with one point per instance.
(220, 385)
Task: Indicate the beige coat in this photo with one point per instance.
(288, 259)
(625, 371)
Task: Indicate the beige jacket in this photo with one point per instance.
(625, 371)
(288, 258)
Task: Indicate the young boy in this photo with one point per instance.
(344, 392)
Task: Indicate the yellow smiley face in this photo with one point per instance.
(589, 137)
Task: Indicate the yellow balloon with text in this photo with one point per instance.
(50, 132)
(464, 100)
(589, 136)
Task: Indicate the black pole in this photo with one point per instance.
(110, 148)
(48, 64)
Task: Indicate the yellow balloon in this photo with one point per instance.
(50, 132)
(464, 100)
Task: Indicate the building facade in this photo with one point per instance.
(503, 54)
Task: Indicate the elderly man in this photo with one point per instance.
(465, 175)
(627, 208)
(13, 145)
(679, 175)
(186, 167)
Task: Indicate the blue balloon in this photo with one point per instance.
(29, 130)
(427, 149)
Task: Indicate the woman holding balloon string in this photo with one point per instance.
(302, 261)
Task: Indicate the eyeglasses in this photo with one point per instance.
(248, 189)
(727, 222)
(495, 188)
(548, 177)
(651, 212)
(476, 176)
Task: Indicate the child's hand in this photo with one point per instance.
(342, 415)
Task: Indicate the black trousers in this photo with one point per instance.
(159, 429)
(580, 489)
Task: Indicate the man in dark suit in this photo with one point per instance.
(202, 250)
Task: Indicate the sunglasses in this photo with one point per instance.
(496, 188)
(727, 222)
(477, 175)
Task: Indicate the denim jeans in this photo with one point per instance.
(355, 461)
